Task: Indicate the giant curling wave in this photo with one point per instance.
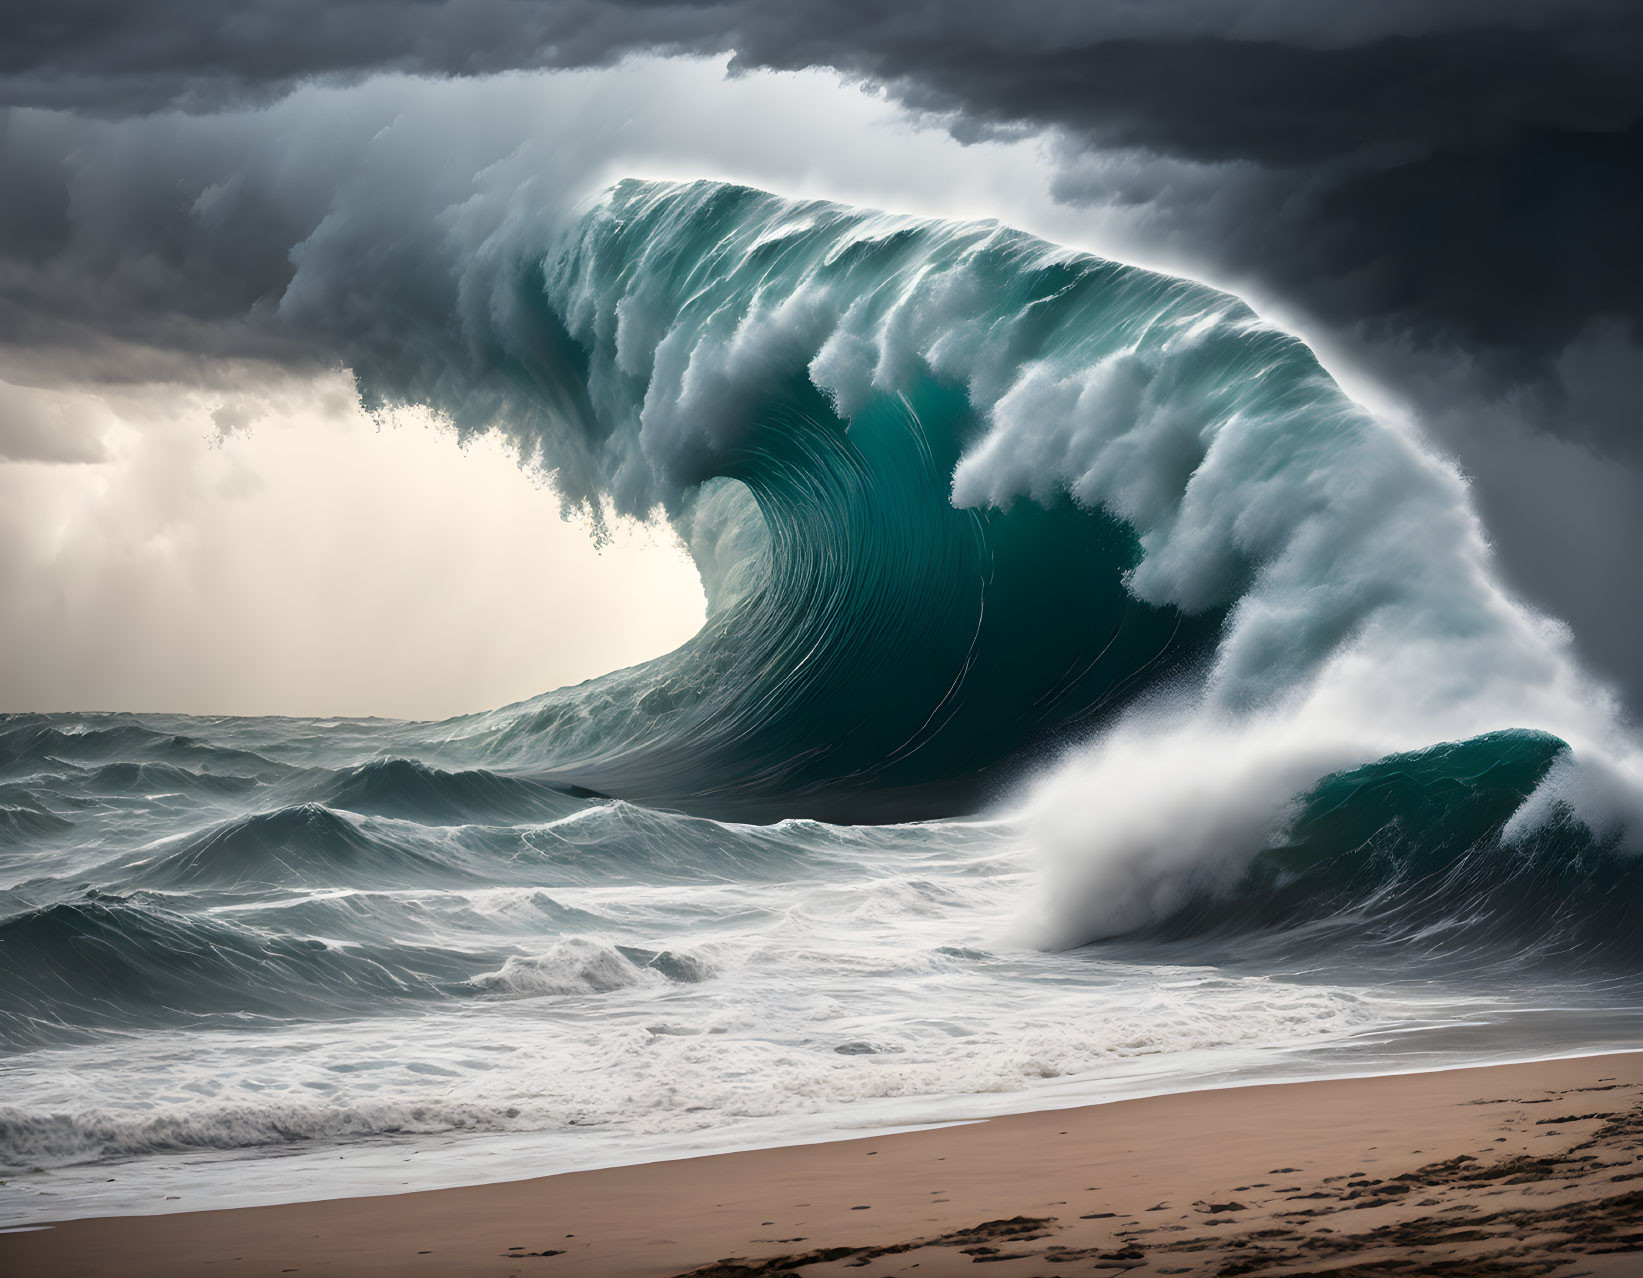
(794, 385)
(963, 499)
(872, 650)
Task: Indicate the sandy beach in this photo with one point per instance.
(1508, 1170)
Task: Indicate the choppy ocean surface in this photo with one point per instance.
(252, 960)
(1093, 701)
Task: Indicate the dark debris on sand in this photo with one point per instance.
(1461, 1217)
(974, 1242)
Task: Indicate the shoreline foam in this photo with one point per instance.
(1461, 1169)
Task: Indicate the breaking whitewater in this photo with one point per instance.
(1093, 700)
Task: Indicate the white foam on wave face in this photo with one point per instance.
(1365, 614)
(1249, 478)
(1373, 624)
(1176, 800)
(1368, 619)
(1129, 832)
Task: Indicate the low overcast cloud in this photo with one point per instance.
(309, 562)
(1464, 173)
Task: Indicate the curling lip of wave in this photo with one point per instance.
(796, 385)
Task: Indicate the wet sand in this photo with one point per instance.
(1501, 1172)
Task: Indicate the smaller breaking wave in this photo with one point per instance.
(1427, 849)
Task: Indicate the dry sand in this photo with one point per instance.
(1504, 1171)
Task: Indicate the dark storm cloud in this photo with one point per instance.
(1036, 56)
(1466, 174)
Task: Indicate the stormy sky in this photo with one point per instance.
(205, 199)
